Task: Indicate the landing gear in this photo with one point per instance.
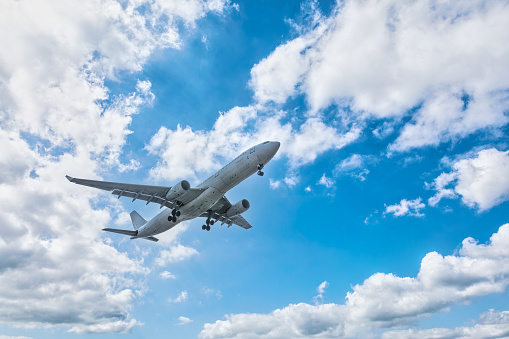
(260, 167)
(174, 214)
(208, 223)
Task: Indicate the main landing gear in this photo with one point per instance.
(208, 223)
(174, 214)
(260, 167)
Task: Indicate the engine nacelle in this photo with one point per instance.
(178, 190)
(238, 208)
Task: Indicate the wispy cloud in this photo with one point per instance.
(406, 207)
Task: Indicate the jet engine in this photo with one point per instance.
(178, 190)
(238, 208)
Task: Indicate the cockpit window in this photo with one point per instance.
(266, 142)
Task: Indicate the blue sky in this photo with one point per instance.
(381, 216)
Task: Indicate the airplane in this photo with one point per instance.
(184, 202)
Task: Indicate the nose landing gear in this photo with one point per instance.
(260, 167)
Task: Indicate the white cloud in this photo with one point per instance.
(274, 184)
(183, 320)
(307, 189)
(476, 270)
(355, 166)
(211, 291)
(327, 182)
(167, 275)
(353, 162)
(291, 180)
(175, 253)
(481, 181)
(443, 117)
(413, 54)
(53, 257)
(406, 207)
(321, 288)
(57, 118)
(491, 325)
(182, 297)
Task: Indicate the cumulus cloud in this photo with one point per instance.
(57, 117)
(413, 59)
(53, 256)
(476, 270)
(491, 324)
(406, 207)
(167, 275)
(481, 180)
(183, 320)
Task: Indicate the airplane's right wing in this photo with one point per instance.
(240, 221)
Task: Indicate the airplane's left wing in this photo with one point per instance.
(148, 193)
(218, 213)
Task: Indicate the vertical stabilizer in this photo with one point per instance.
(137, 220)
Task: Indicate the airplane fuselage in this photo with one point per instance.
(215, 187)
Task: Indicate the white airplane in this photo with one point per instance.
(186, 203)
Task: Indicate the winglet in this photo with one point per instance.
(69, 178)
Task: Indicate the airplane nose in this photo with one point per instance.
(274, 147)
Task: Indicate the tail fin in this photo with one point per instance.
(137, 220)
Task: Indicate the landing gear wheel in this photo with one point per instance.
(204, 227)
(173, 212)
(260, 173)
(177, 213)
(208, 228)
(170, 218)
(212, 222)
(174, 219)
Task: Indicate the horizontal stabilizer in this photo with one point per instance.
(126, 232)
(146, 238)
